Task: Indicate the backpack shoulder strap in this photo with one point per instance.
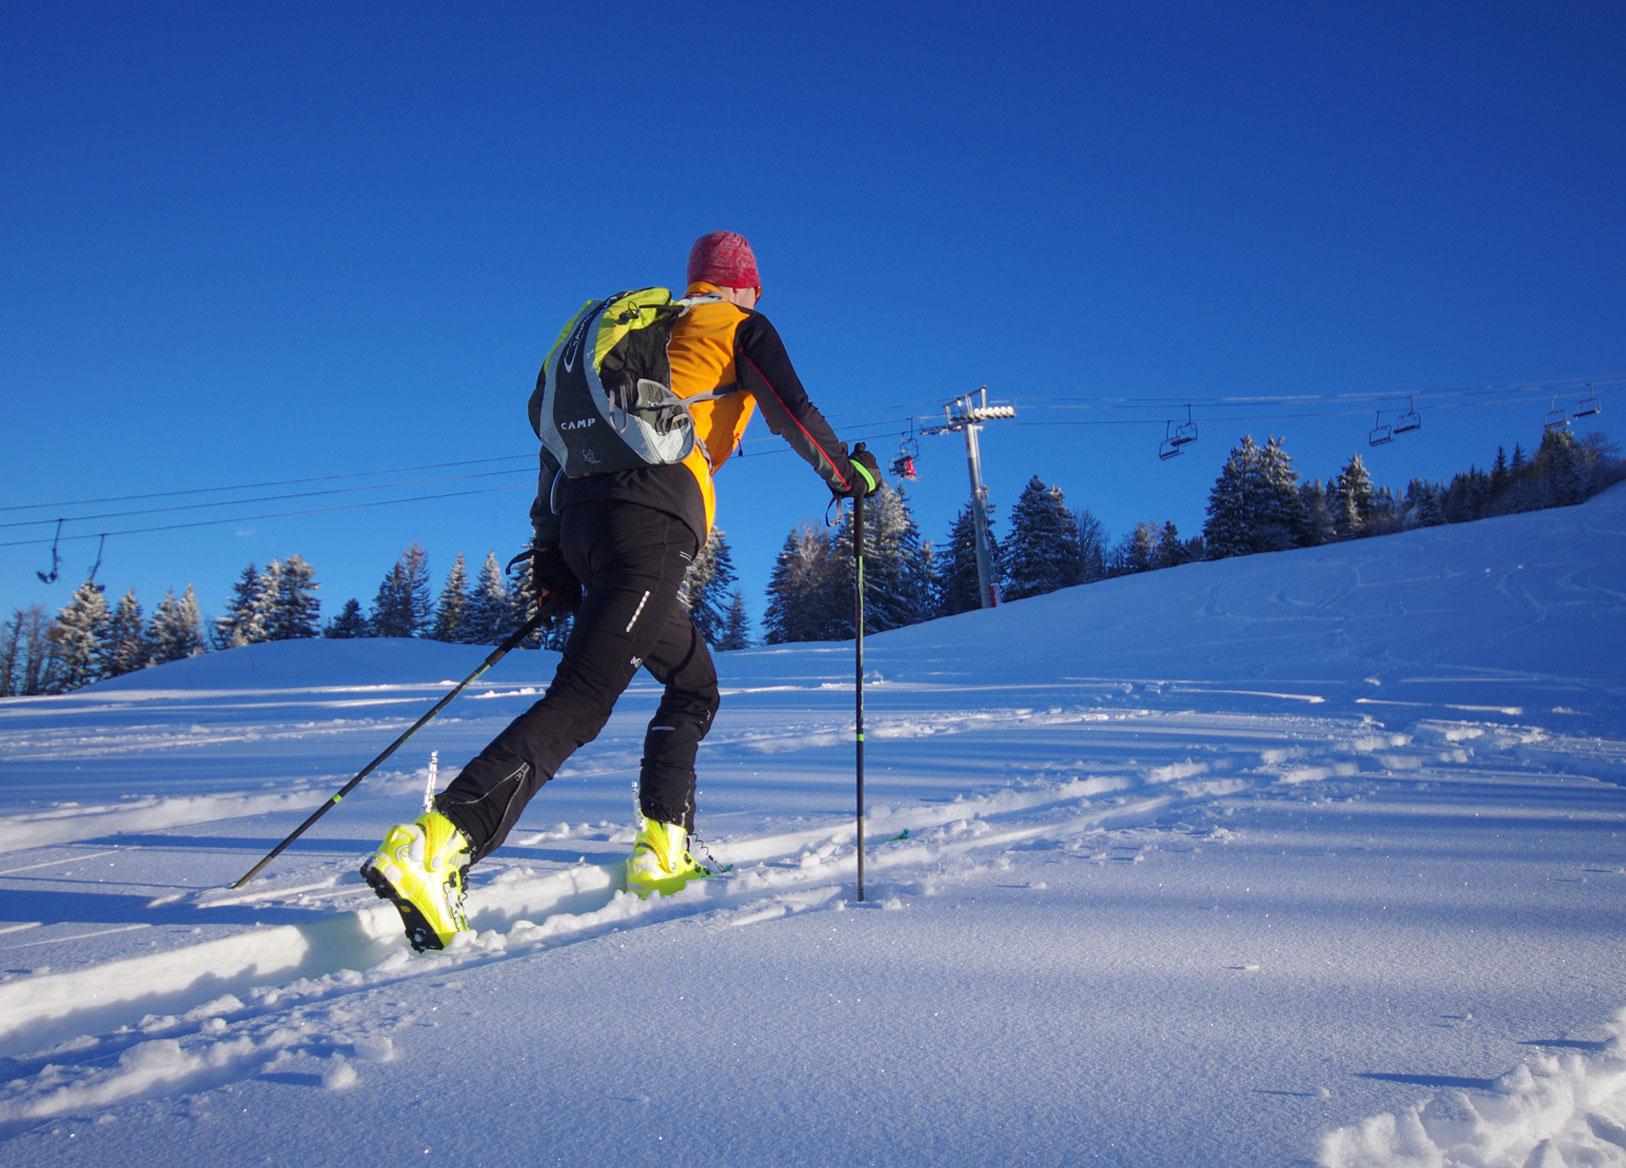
(685, 304)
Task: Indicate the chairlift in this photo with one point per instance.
(1382, 433)
(1185, 432)
(1588, 405)
(1176, 435)
(1410, 420)
(1557, 419)
(903, 466)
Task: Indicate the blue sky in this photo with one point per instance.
(299, 244)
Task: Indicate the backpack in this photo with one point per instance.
(603, 400)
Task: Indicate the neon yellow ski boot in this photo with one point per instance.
(660, 859)
(420, 868)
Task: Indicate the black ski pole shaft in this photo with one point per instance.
(497, 654)
(858, 592)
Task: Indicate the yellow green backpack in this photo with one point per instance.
(603, 400)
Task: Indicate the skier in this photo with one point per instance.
(618, 544)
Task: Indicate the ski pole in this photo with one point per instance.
(858, 559)
(548, 606)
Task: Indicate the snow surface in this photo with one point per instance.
(1311, 858)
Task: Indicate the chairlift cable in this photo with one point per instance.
(272, 515)
(530, 457)
(276, 498)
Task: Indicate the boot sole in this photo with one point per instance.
(667, 885)
(420, 933)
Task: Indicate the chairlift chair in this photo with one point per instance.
(1410, 420)
(1176, 435)
(1588, 405)
(903, 466)
(1382, 432)
(1557, 419)
(1185, 432)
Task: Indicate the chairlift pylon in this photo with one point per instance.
(1557, 419)
(1410, 420)
(1588, 405)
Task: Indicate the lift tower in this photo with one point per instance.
(965, 415)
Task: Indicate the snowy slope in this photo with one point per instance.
(1306, 858)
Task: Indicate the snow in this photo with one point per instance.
(1306, 858)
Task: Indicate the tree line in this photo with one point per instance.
(91, 639)
(1257, 504)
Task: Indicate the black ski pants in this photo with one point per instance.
(630, 560)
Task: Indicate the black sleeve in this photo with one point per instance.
(766, 373)
(544, 523)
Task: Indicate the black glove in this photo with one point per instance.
(866, 476)
(551, 574)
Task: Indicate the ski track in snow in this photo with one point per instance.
(273, 1000)
(194, 1016)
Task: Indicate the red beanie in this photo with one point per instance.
(723, 258)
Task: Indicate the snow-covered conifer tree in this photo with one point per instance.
(79, 633)
(1139, 550)
(797, 589)
(1171, 550)
(401, 608)
(451, 610)
(736, 624)
(1558, 468)
(1352, 498)
(350, 623)
(291, 607)
(1042, 552)
(1318, 518)
(487, 619)
(1228, 528)
(1425, 506)
(125, 648)
(1255, 504)
(244, 620)
(176, 631)
(1282, 521)
(959, 587)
